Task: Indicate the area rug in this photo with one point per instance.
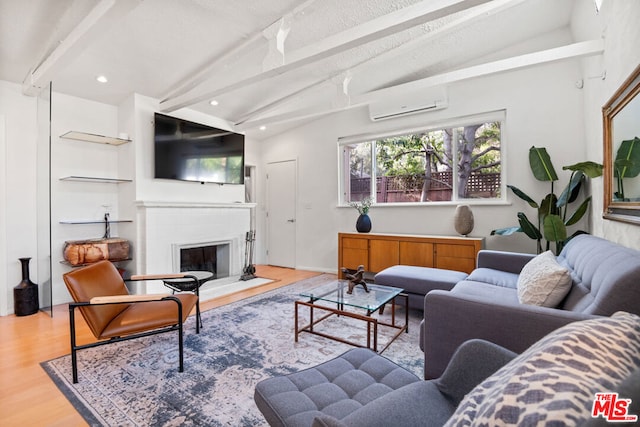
(136, 383)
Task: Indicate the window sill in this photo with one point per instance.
(428, 204)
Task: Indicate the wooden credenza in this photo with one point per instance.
(379, 251)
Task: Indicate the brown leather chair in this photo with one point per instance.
(114, 315)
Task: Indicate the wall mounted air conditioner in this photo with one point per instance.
(403, 105)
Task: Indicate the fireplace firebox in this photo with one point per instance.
(207, 256)
(201, 258)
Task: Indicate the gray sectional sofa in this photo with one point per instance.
(583, 339)
(552, 383)
(604, 277)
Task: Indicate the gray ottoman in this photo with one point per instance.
(417, 281)
(363, 389)
(335, 388)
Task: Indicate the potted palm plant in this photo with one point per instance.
(626, 165)
(553, 211)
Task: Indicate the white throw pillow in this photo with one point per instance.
(543, 281)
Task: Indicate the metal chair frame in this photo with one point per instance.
(180, 288)
(74, 347)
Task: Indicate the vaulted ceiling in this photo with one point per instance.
(273, 62)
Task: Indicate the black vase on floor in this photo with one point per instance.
(25, 295)
(363, 224)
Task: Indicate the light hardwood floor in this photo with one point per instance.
(28, 397)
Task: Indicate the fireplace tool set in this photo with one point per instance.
(249, 271)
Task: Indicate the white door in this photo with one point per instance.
(281, 213)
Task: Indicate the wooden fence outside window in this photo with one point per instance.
(408, 188)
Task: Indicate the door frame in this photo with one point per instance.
(252, 192)
(4, 287)
(295, 203)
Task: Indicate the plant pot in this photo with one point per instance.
(363, 224)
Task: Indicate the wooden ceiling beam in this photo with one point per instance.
(571, 51)
(478, 13)
(292, 116)
(375, 29)
(574, 50)
(204, 72)
(102, 16)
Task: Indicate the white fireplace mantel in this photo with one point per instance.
(161, 225)
(161, 204)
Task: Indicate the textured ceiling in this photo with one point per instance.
(158, 48)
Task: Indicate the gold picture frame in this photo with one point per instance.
(621, 127)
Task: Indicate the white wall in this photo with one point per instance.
(18, 205)
(543, 108)
(72, 200)
(618, 24)
(3, 221)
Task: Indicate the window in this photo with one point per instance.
(450, 163)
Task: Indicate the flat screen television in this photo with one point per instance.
(189, 151)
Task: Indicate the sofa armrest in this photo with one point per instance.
(511, 262)
(473, 362)
(452, 318)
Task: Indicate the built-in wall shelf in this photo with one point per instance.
(94, 179)
(93, 221)
(67, 263)
(90, 137)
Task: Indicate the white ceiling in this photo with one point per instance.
(337, 53)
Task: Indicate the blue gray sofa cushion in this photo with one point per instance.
(418, 281)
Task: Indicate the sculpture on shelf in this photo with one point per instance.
(355, 278)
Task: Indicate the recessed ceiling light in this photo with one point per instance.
(263, 127)
(213, 102)
(102, 79)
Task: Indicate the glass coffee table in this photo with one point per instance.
(333, 299)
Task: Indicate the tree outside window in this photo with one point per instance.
(448, 164)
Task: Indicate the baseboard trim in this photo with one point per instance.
(318, 269)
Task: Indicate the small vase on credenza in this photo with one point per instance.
(363, 224)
